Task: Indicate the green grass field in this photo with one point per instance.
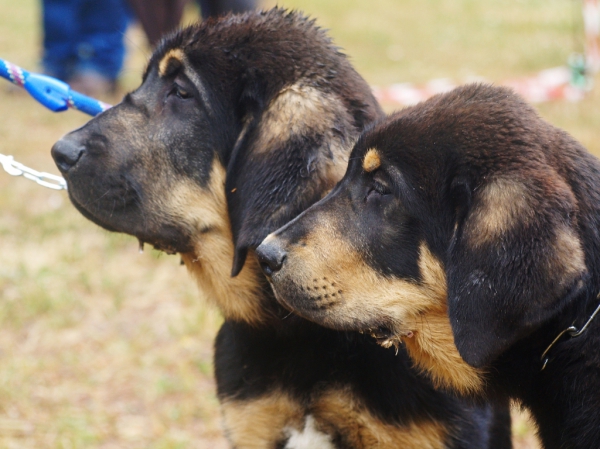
(101, 347)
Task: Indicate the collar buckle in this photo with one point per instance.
(572, 331)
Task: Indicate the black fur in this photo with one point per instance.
(510, 206)
(303, 358)
(171, 129)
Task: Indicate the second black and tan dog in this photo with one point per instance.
(240, 124)
(467, 228)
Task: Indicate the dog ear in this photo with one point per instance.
(515, 259)
(291, 152)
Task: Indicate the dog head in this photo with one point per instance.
(458, 208)
(234, 130)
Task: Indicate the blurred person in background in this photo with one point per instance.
(159, 17)
(84, 39)
(218, 7)
(83, 42)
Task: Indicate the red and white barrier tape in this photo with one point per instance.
(550, 84)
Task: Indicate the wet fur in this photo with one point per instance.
(239, 125)
(473, 240)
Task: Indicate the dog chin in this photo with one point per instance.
(384, 335)
(281, 299)
(90, 216)
(168, 239)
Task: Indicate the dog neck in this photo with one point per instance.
(433, 350)
(428, 335)
(239, 298)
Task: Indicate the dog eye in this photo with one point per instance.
(378, 190)
(180, 92)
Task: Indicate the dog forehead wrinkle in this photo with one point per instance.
(198, 83)
(177, 54)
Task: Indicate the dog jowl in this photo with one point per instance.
(230, 135)
(451, 201)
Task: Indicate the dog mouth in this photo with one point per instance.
(384, 336)
(167, 248)
(167, 238)
(93, 217)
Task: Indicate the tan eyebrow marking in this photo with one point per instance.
(173, 54)
(372, 161)
(177, 56)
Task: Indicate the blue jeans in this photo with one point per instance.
(84, 36)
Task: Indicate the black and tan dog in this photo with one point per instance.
(239, 125)
(467, 228)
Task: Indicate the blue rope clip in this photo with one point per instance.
(56, 95)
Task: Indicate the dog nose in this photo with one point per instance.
(66, 153)
(270, 256)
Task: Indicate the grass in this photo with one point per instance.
(102, 347)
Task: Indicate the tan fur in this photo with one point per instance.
(501, 204)
(432, 345)
(174, 53)
(337, 409)
(332, 273)
(294, 111)
(568, 259)
(261, 423)
(204, 212)
(372, 160)
(433, 350)
(300, 110)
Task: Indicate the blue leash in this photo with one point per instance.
(56, 95)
